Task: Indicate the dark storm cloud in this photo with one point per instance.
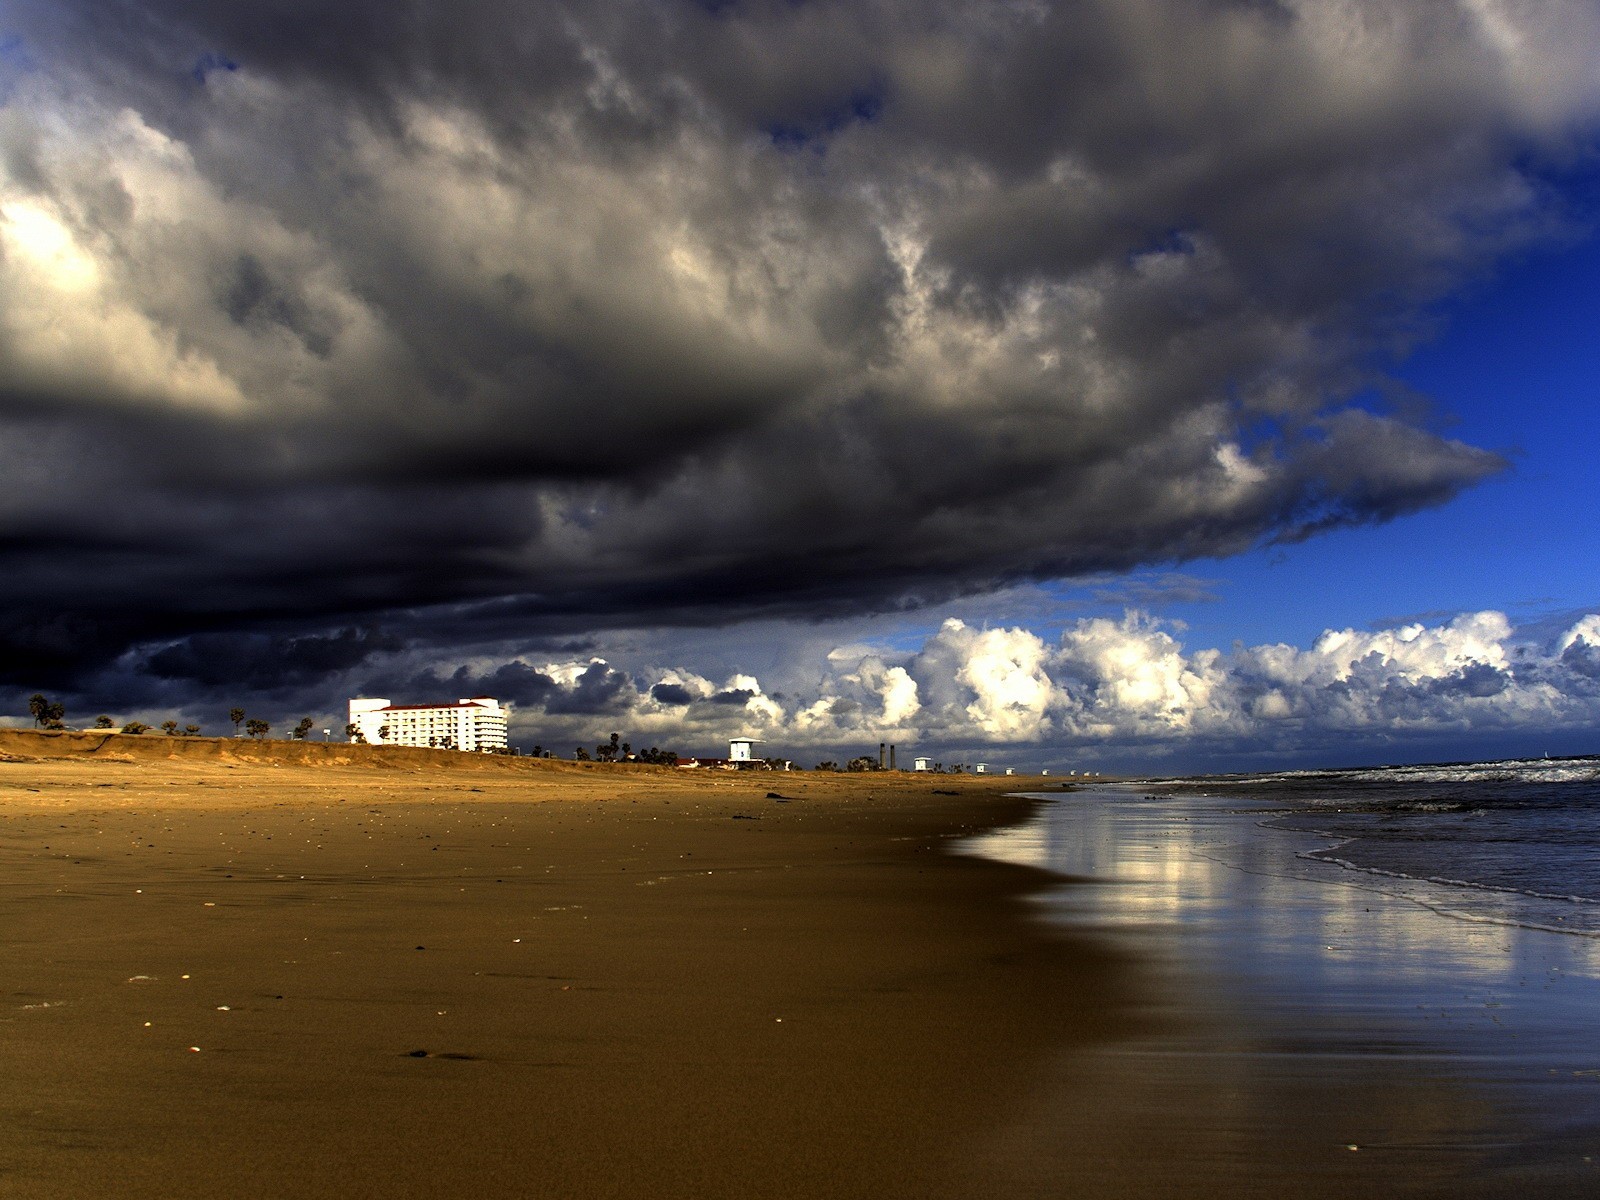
(1479, 679)
(1582, 658)
(514, 682)
(674, 694)
(598, 690)
(494, 320)
(256, 662)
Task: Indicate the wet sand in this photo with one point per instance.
(248, 972)
(1316, 1006)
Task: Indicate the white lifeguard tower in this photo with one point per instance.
(922, 764)
(741, 750)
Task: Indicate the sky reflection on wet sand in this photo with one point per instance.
(1268, 968)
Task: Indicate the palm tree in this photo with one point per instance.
(47, 714)
(236, 715)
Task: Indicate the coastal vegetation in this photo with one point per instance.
(47, 713)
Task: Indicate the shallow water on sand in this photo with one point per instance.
(1308, 969)
(1514, 842)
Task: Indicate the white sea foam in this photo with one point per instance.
(1511, 842)
(1328, 856)
(1526, 770)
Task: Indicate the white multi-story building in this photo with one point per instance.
(473, 723)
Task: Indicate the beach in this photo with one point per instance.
(246, 970)
(227, 977)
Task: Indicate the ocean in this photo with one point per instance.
(1514, 842)
(1310, 933)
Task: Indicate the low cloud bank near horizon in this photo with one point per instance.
(586, 315)
(1106, 690)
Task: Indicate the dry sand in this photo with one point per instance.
(304, 971)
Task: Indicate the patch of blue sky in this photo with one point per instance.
(206, 64)
(812, 130)
(718, 8)
(1178, 239)
(1516, 369)
(16, 60)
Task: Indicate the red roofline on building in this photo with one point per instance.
(414, 707)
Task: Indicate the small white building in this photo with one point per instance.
(741, 757)
(981, 769)
(922, 764)
(474, 723)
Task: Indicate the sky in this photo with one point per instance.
(1158, 385)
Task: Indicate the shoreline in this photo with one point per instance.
(1443, 1056)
